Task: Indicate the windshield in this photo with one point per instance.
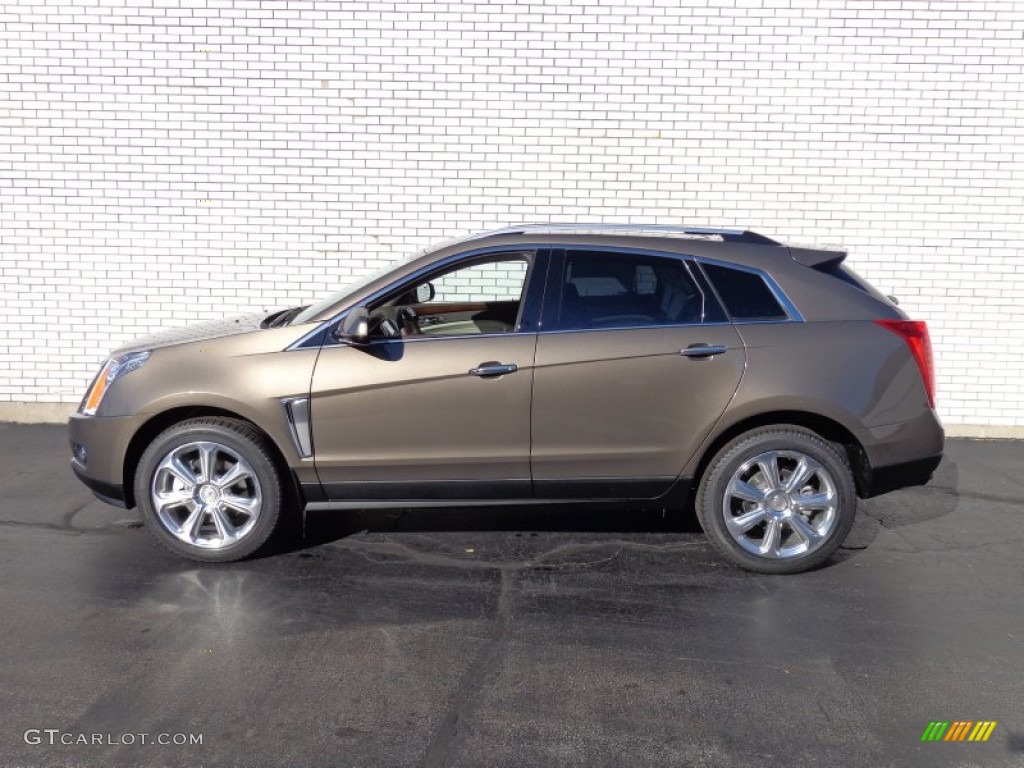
(313, 310)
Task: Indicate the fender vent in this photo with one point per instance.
(297, 411)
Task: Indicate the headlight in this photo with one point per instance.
(112, 369)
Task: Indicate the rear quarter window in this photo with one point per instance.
(745, 294)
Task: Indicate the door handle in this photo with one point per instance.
(702, 350)
(486, 370)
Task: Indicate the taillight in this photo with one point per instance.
(915, 333)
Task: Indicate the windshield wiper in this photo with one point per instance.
(281, 318)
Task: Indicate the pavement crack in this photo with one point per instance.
(379, 552)
(70, 516)
(61, 528)
(974, 495)
(43, 526)
(384, 549)
(877, 518)
(65, 525)
(468, 693)
(619, 544)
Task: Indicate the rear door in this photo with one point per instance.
(635, 363)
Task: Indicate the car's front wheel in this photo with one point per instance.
(208, 489)
(777, 500)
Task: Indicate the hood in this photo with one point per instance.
(212, 329)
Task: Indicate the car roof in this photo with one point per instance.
(741, 246)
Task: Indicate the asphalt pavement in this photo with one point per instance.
(498, 637)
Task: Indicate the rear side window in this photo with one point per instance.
(625, 290)
(746, 295)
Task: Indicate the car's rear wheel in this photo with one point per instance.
(208, 489)
(777, 500)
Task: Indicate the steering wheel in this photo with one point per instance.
(409, 320)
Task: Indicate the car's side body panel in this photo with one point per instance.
(405, 417)
(854, 373)
(624, 406)
(245, 374)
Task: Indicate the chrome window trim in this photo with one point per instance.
(667, 326)
(417, 339)
(302, 341)
(793, 314)
(688, 265)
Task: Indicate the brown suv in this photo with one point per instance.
(534, 364)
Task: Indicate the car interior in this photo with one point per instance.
(602, 290)
(479, 297)
(599, 290)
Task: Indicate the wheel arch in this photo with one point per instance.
(159, 422)
(825, 427)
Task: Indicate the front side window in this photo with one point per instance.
(489, 282)
(599, 290)
(745, 294)
(480, 296)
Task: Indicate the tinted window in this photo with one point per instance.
(746, 294)
(620, 290)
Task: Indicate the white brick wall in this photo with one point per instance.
(168, 160)
(494, 281)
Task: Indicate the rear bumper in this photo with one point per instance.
(894, 476)
(906, 441)
(901, 455)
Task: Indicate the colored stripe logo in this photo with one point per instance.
(958, 730)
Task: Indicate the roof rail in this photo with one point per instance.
(726, 235)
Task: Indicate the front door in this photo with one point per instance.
(437, 405)
(633, 369)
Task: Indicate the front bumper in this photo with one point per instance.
(99, 447)
(107, 492)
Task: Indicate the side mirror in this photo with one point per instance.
(355, 327)
(425, 293)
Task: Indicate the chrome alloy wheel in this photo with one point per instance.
(780, 504)
(206, 495)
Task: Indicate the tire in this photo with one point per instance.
(758, 519)
(220, 492)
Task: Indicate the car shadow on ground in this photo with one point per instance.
(900, 509)
(324, 527)
(316, 528)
